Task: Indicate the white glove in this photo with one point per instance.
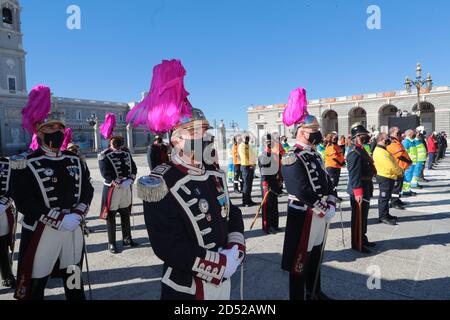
(232, 261)
(127, 183)
(70, 222)
(3, 209)
(331, 212)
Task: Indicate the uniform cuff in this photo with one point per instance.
(81, 209)
(7, 202)
(52, 219)
(320, 208)
(211, 268)
(358, 192)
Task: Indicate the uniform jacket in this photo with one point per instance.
(360, 172)
(334, 157)
(410, 147)
(157, 154)
(385, 164)
(397, 150)
(189, 217)
(117, 165)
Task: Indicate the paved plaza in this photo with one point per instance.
(412, 259)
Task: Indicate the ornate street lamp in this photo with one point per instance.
(92, 120)
(419, 84)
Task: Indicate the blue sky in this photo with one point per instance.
(237, 53)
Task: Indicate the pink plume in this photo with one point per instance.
(296, 110)
(37, 108)
(34, 143)
(107, 128)
(166, 105)
(68, 133)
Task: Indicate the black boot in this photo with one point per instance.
(312, 269)
(5, 264)
(38, 289)
(74, 294)
(111, 226)
(126, 228)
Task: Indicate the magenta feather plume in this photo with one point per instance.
(166, 105)
(37, 109)
(297, 108)
(107, 128)
(68, 134)
(34, 143)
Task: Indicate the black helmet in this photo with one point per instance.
(359, 129)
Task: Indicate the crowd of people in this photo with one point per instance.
(192, 224)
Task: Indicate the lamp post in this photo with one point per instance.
(419, 83)
(92, 120)
(234, 125)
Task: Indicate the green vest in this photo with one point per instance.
(421, 151)
(412, 150)
(367, 148)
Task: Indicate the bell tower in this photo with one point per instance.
(12, 54)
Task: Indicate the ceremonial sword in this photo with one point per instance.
(83, 227)
(320, 260)
(14, 231)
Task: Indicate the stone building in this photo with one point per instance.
(373, 110)
(75, 112)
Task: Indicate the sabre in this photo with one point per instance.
(86, 258)
(342, 224)
(13, 244)
(320, 260)
(242, 281)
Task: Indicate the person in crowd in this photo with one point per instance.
(410, 147)
(237, 182)
(248, 163)
(396, 149)
(388, 171)
(432, 150)
(334, 158)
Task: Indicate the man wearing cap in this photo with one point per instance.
(269, 164)
(361, 171)
(119, 170)
(312, 202)
(158, 153)
(7, 222)
(192, 225)
(57, 199)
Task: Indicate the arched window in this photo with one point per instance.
(7, 16)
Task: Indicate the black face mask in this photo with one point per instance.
(387, 142)
(54, 140)
(247, 141)
(159, 141)
(117, 144)
(364, 139)
(315, 138)
(189, 145)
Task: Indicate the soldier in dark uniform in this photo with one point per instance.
(7, 222)
(158, 153)
(361, 171)
(270, 184)
(119, 171)
(52, 191)
(311, 207)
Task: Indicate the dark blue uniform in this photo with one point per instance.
(7, 221)
(311, 193)
(45, 187)
(189, 216)
(360, 174)
(117, 166)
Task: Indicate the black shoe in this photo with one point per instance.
(388, 221)
(397, 205)
(417, 187)
(363, 250)
(9, 283)
(318, 296)
(129, 243)
(272, 230)
(113, 249)
(392, 217)
(370, 244)
(401, 203)
(251, 204)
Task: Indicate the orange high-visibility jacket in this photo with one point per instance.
(333, 155)
(399, 153)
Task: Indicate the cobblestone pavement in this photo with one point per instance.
(413, 258)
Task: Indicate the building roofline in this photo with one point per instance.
(354, 98)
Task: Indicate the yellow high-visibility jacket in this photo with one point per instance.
(386, 164)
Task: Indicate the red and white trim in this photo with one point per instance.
(52, 219)
(211, 268)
